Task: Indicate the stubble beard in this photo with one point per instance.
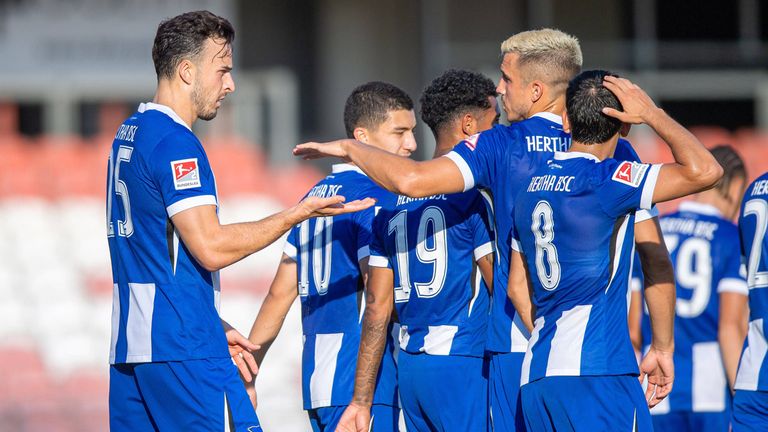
(204, 112)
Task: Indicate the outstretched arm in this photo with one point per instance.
(216, 246)
(397, 174)
(694, 169)
(378, 311)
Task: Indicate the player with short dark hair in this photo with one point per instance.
(325, 262)
(171, 354)
(429, 258)
(750, 401)
(711, 307)
(573, 238)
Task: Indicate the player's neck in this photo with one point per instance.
(180, 102)
(601, 151)
(447, 138)
(713, 198)
(555, 106)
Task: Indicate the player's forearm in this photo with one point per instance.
(268, 323)
(698, 166)
(397, 174)
(372, 345)
(660, 298)
(731, 339)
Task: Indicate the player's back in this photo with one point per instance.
(575, 224)
(164, 303)
(753, 222)
(327, 251)
(703, 248)
(432, 244)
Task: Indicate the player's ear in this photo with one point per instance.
(537, 91)
(360, 134)
(566, 122)
(186, 71)
(468, 124)
(625, 127)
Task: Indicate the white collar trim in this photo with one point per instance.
(554, 118)
(575, 155)
(163, 109)
(344, 167)
(696, 207)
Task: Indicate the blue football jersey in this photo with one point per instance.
(499, 162)
(327, 251)
(704, 249)
(574, 222)
(753, 221)
(431, 244)
(164, 303)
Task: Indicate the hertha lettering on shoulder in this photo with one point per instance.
(761, 188)
(126, 132)
(186, 174)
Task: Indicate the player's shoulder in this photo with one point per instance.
(625, 152)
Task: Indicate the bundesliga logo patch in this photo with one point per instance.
(630, 173)
(471, 142)
(185, 174)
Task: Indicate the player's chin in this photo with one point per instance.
(208, 115)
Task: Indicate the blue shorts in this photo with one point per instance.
(191, 395)
(585, 403)
(385, 418)
(443, 393)
(750, 411)
(504, 392)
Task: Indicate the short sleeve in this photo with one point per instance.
(378, 252)
(292, 244)
(479, 156)
(180, 169)
(628, 186)
(734, 278)
(643, 215)
(363, 225)
(480, 226)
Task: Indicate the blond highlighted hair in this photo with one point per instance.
(546, 54)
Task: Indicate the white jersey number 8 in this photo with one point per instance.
(543, 227)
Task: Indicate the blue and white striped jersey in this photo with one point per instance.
(164, 303)
(753, 222)
(499, 162)
(432, 244)
(327, 251)
(704, 249)
(574, 222)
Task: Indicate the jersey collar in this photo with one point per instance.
(700, 208)
(163, 109)
(344, 167)
(575, 155)
(554, 118)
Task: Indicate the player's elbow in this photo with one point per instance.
(412, 184)
(707, 174)
(209, 260)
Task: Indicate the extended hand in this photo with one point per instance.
(240, 349)
(315, 206)
(660, 369)
(356, 418)
(315, 150)
(638, 106)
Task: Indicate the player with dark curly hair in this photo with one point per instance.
(442, 304)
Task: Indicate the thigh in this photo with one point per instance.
(325, 418)
(750, 411)
(504, 392)
(385, 418)
(586, 404)
(708, 421)
(127, 410)
(670, 422)
(196, 395)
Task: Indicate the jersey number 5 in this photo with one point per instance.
(124, 227)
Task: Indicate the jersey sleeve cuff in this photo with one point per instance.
(646, 199)
(515, 245)
(290, 250)
(734, 285)
(188, 203)
(644, 215)
(466, 173)
(635, 284)
(378, 261)
(363, 252)
(483, 250)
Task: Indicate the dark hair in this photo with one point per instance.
(733, 166)
(452, 94)
(369, 105)
(183, 36)
(584, 101)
